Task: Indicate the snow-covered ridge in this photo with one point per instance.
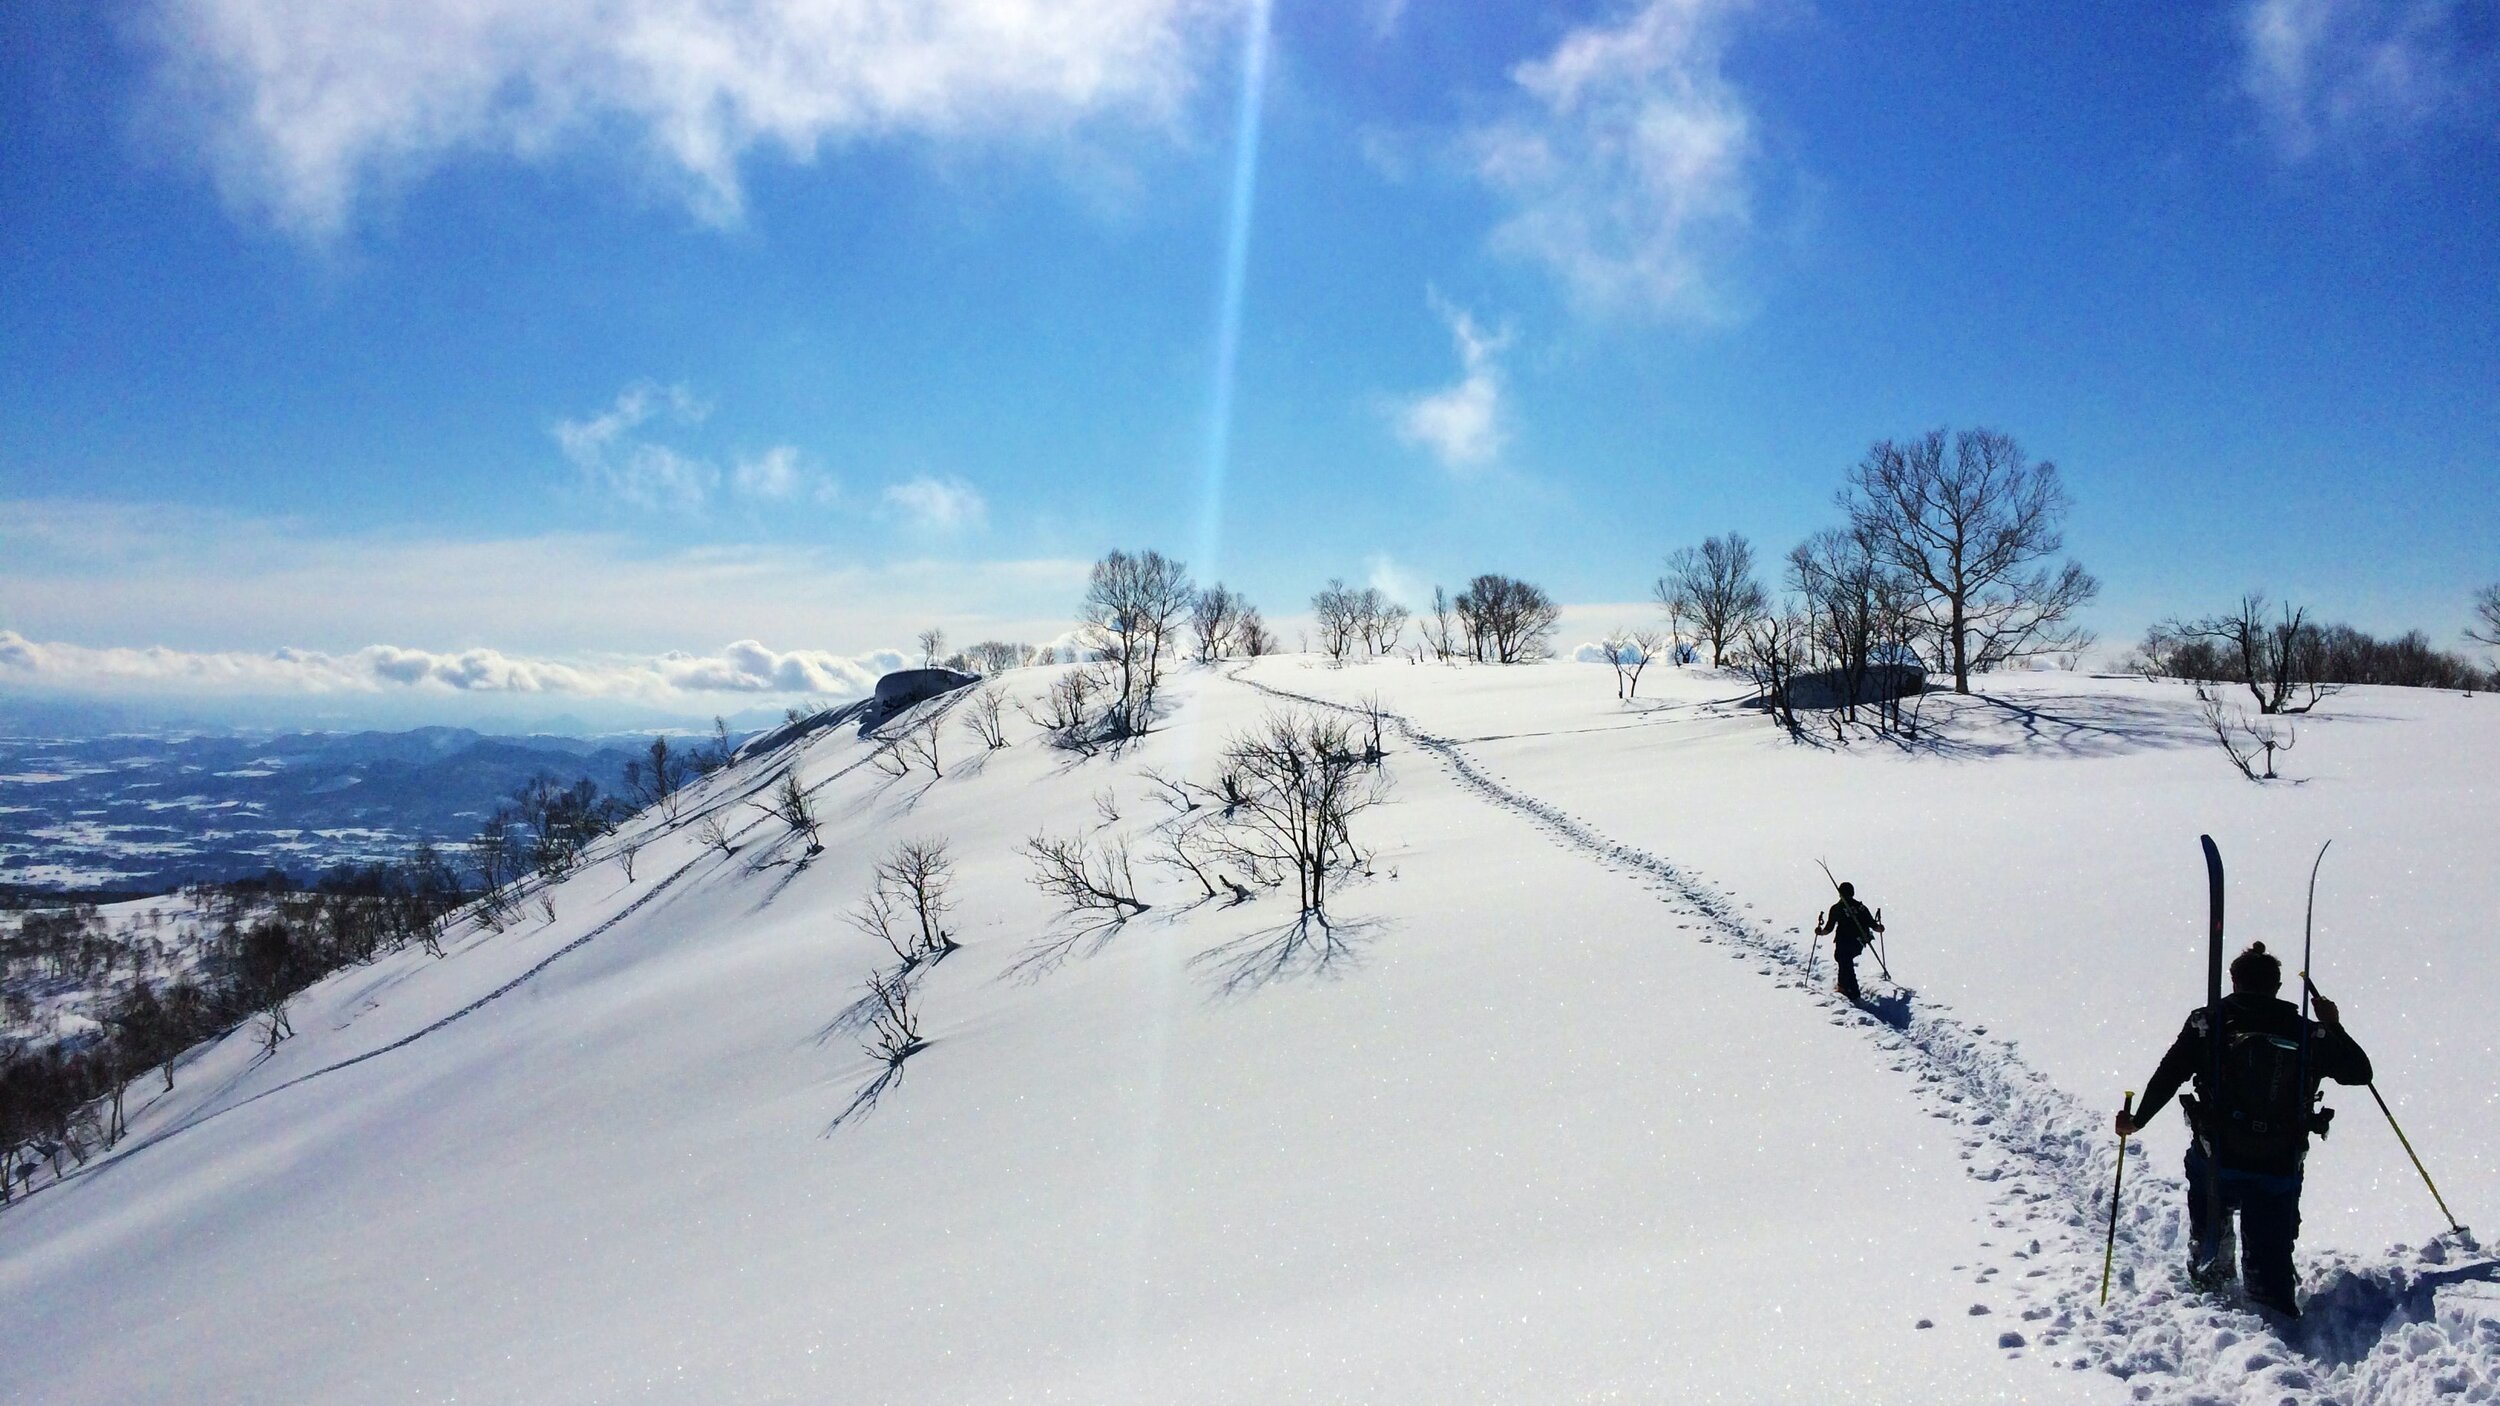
(1523, 1132)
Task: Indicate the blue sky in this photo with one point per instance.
(386, 356)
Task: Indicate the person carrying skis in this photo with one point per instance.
(2251, 1135)
(1851, 929)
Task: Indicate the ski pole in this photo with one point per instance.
(2381, 1100)
(2109, 1247)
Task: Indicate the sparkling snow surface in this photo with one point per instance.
(1556, 1117)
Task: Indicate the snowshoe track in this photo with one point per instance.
(2379, 1330)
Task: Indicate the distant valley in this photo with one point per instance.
(148, 812)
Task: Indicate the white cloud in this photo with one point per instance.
(1462, 424)
(2357, 72)
(744, 667)
(617, 460)
(1632, 165)
(237, 587)
(776, 477)
(305, 106)
(1383, 574)
(938, 505)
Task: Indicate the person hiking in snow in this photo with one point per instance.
(1851, 929)
(2251, 1136)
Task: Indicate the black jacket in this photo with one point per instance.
(1853, 928)
(2332, 1055)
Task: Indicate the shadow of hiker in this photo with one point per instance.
(1892, 1007)
(2355, 1309)
(1309, 945)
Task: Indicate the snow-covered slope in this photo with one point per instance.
(1553, 1115)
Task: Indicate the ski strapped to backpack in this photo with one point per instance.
(2217, 1215)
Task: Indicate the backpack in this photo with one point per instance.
(1852, 926)
(2262, 1109)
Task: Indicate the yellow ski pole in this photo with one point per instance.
(2109, 1247)
(2381, 1100)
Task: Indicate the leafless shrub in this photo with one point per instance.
(914, 891)
(791, 806)
(1107, 806)
(1185, 850)
(1085, 878)
(1173, 792)
(1300, 780)
(2247, 742)
(627, 851)
(985, 717)
(715, 835)
(547, 903)
(889, 757)
(1066, 711)
(893, 1024)
(918, 740)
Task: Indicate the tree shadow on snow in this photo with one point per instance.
(2054, 724)
(865, 1101)
(1055, 950)
(1309, 945)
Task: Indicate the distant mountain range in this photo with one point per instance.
(139, 812)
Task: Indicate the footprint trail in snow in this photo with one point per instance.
(2411, 1325)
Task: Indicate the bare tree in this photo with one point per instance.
(1507, 620)
(2280, 659)
(1256, 640)
(1440, 633)
(1295, 784)
(1630, 652)
(1974, 532)
(932, 643)
(1107, 806)
(1084, 878)
(1716, 583)
(919, 738)
(791, 806)
(1379, 620)
(1338, 616)
(1677, 602)
(1132, 607)
(2486, 626)
(715, 835)
(1214, 616)
(1774, 648)
(656, 777)
(985, 717)
(1843, 594)
(917, 877)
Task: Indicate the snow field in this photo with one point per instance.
(1529, 1132)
